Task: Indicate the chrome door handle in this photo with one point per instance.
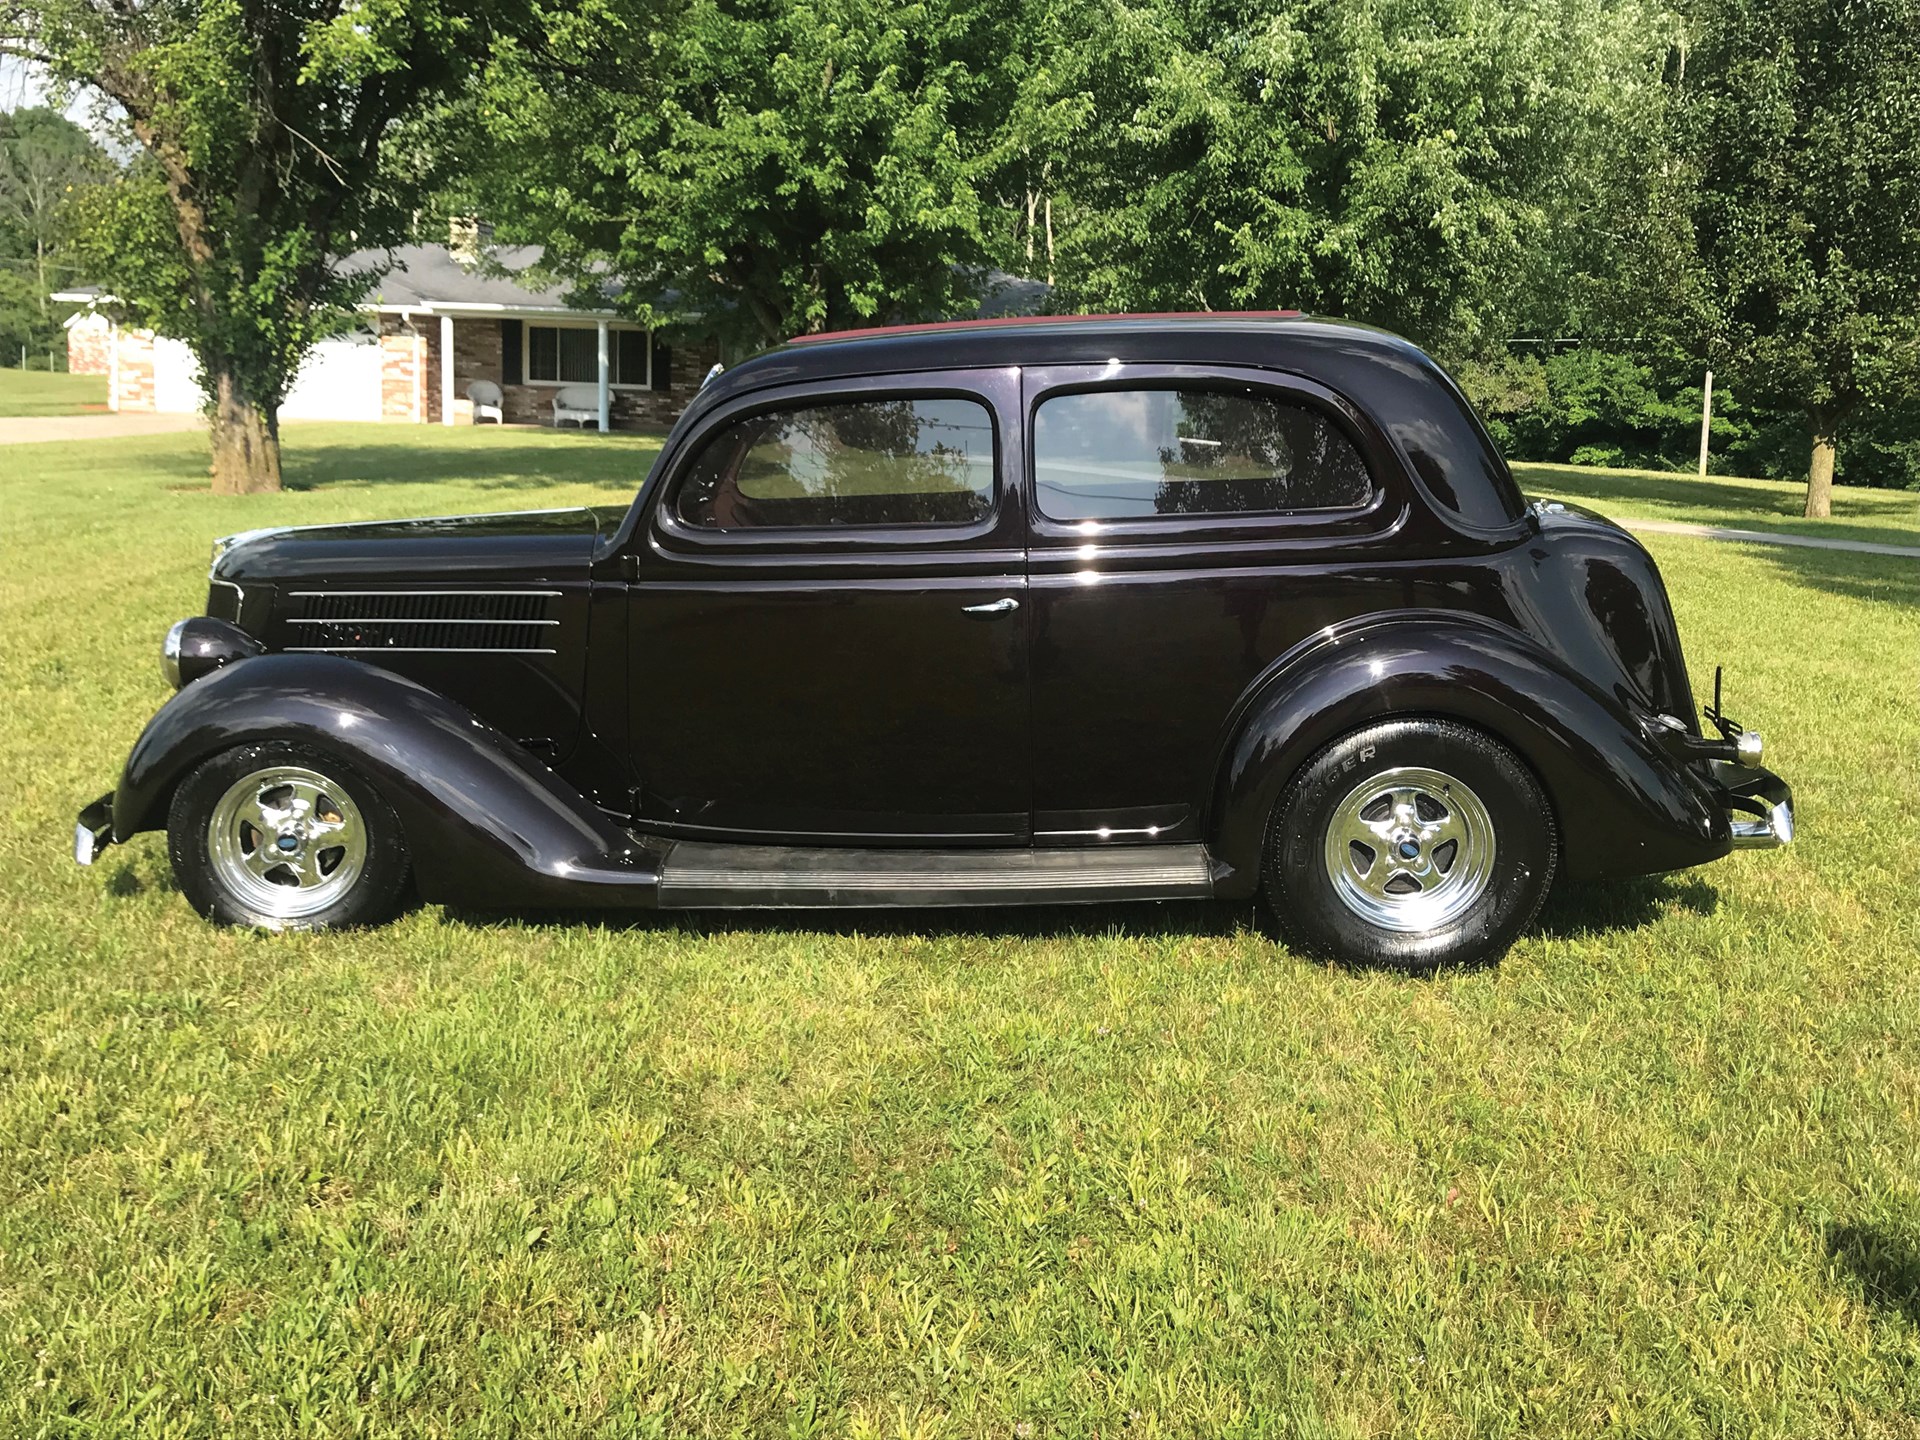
(1005, 605)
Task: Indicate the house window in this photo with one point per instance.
(570, 355)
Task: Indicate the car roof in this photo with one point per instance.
(1284, 339)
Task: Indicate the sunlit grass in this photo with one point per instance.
(1889, 516)
(1119, 1172)
(39, 392)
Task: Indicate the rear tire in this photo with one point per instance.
(1411, 844)
(281, 836)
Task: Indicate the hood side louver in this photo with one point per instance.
(518, 622)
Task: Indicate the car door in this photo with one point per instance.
(1189, 525)
(827, 623)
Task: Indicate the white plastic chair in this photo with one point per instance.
(486, 399)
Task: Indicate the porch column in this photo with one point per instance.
(606, 384)
(446, 369)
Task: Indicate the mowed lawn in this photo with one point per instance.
(39, 392)
(1876, 516)
(1122, 1172)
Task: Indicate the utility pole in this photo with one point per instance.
(1706, 420)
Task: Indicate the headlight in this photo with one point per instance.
(170, 653)
(201, 645)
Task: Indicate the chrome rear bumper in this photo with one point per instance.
(1759, 805)
(93, 831)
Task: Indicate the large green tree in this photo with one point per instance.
(1800, 123)
(770, 167)
(1437, 166)
(273, 135)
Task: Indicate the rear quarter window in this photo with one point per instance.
(1126, 454)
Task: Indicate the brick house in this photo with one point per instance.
(433, 327)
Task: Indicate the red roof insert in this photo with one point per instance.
(934, 327)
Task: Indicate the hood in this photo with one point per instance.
(523, 546)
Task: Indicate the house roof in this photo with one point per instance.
(429, 277)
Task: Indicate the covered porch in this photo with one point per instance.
(463, 365)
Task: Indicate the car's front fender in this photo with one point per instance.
(1623, 805)
(487, 824)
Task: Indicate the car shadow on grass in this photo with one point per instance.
(1577, 910)
(1571, 911)
(1884, 1264)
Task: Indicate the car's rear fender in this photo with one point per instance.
(487, 824)
(1623, 805)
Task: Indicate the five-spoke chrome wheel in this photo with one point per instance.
(287, 841)
(1410, 849)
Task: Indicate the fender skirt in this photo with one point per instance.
(1623, 805)
(487, 824)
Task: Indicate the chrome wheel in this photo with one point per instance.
(1410, 849)
(287, 842)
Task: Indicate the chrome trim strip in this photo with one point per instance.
(241, 537)
(408, 650)
(1104, 832)
(312, 594)
(1010, 878)
(403, 620)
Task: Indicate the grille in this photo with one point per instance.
(517, 621)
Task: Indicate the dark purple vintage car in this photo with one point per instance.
(1115, 608)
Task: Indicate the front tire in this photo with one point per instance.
(280, 836)
(1411, 844)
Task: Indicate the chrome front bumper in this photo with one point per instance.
(93, 831)
(1759, 805)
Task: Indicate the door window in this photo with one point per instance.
(1121, 454)
(868, 463)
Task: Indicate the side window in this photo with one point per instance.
(870, 462)
(1116, 454)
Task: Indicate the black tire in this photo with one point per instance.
(347, 865)
(1330, 902)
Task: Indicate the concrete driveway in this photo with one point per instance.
(26, 429)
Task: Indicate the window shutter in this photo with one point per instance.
(662, 368)
(512, 371)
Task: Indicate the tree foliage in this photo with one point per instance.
(45, 161)
(1426, 164)
(769, 168)
(1800, 120)
(272, 137)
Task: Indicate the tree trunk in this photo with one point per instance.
(1820, 473)
(246, 442)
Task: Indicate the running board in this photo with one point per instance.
(698, 874)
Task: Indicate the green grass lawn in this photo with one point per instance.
(1121, 1172)
(40, 392)
(1889, 516)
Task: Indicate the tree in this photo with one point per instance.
(1801, 120)
(775, 169)
(1429, 165)
(44, 159)
(273, 136)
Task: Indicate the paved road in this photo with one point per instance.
(1769, 537)
(27, 429)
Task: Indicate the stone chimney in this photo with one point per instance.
(469, 238)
